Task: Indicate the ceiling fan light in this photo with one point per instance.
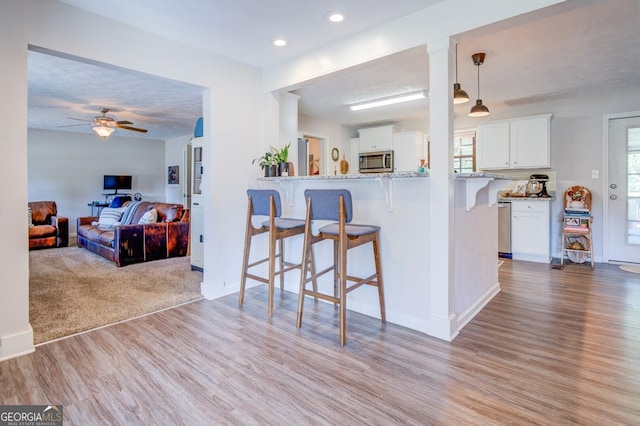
(103, 131)
(479, 110)
(459, 95)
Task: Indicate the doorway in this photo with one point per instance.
(623, 190)
(311, 155)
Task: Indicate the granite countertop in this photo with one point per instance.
(551, 198)
(354, 176)
(482, 175)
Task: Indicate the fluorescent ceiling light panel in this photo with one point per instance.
(390, 101)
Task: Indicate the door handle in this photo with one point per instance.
(613, 197)
(613, 186)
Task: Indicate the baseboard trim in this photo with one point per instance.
(17, 345)
(469, 314)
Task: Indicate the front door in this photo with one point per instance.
(623, 193)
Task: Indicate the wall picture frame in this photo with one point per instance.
(173, 175)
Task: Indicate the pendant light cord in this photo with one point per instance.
(456, 62)
(478, 65)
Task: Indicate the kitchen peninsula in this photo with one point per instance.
(400, 204)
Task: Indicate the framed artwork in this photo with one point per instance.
(173, 175)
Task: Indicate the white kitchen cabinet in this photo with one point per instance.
(530, 229)
(408, 149)
(196, 225)
(376, 138)
(520, 143)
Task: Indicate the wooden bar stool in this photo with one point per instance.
(266, 202)
(336, 205)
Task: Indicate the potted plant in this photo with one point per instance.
(274, 162)
(283, 156)
(269, 163)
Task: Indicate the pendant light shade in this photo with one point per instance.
(459, 95)
(478, 110)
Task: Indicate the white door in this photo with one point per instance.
(623, 193)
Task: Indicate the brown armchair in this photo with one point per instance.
(47, 228)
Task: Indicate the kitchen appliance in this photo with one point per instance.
(504, 229)
(376, 162)
(537, 186)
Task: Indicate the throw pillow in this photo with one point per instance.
(109, 216)
(29, 217)
(149, 217)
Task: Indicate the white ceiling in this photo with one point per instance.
(577, 48)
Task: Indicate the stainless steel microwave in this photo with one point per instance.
(376, 162)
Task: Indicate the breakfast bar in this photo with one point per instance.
(400, 204)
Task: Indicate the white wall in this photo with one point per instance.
(16, 335)
(337, 136)
(68, 168)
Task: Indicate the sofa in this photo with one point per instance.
(139, 231)
(46, 228)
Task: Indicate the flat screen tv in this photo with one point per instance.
(116, 182)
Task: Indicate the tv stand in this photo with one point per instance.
(107, 195)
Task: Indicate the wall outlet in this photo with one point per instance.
(595, 174)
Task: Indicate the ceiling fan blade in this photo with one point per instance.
(123, 122)
(78, 119)
(75, 125)
(135, 129)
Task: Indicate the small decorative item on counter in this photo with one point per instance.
(423, 167)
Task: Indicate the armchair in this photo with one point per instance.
(47, 229)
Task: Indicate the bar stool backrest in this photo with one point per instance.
(325, 203)
(260, 198)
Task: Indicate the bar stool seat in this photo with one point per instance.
(336, 205)
(265, 202)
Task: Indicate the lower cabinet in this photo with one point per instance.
(197, 234)
(530, 229)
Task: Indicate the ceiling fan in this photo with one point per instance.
(104, 125)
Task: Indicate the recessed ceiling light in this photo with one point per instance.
(335, 16)
(280, 42)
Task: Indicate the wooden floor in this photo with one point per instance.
(553, 347)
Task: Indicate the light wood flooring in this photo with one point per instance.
(553, 347)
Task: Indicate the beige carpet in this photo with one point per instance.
(73, 290)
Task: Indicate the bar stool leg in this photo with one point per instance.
(376, 256)
(336, 274)
(281, 262)
(245, 257)
(272, 270)
(303, 277)
(342, 275)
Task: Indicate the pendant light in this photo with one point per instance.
(478, 110)
(459, 95)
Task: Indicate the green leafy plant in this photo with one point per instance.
(273, 157)
(282, 154)
(267, 160)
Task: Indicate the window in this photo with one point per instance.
(464, 152)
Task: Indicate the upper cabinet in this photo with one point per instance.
(520, 143)
(408, 149)
(376, 138)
